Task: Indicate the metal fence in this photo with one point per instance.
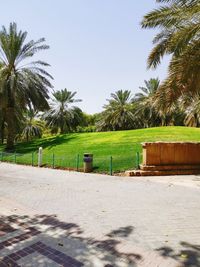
(109, 164)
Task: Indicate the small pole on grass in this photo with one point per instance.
(40, 157)
(15, 157)
(111, 165)
(77, 162)
(53, 161)
(1, 156)
(137, 160)
(32, 159)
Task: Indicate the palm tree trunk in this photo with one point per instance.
(62, 122)
(2, 133)
(164, 121)
(11, 128)
(26, 137)
(61, 129)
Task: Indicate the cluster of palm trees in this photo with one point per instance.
(175, 101)
(22, 83)
(178, 24)
(24, 91)
(26, 108)
(125, 111)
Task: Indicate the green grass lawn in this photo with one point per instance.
(121, 145)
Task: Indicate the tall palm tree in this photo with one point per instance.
(62, 116)
(118, 113)
(178, 22)
(22, 82)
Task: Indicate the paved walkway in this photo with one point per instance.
(58, 218)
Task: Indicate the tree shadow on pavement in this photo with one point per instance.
(189, 255)
(44, 240)
(121, 232)
(24, 237)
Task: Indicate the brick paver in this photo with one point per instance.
(57, 218)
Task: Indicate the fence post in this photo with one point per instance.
(53, 161)
(77, 163)
(40, 157)
(137, 160)
(111, 165)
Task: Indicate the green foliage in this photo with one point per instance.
(86, 129)
(22, 82)
(118, 114)
(178, 22)
(145, 111)
(32, 127)
(190, 103)
(151, 108)
(90, 119)
(62, 116)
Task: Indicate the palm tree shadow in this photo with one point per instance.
(63, 239)
(189, 256)
(48, 143)
(121, 232)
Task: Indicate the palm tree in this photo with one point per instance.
(149, 90)
(190, 105)
(178, 22)
(145, 112)
(33, 126)
(22, 82)
(118, 113)
(151, 107)
(62, 116)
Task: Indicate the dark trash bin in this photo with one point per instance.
(88, 162)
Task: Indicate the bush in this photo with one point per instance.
(86, 129)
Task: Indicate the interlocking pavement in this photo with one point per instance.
(57, 218)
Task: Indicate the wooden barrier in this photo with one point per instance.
(169, 158)
(163, 153)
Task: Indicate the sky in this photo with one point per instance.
(96, 46)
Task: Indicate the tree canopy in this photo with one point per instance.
(22, 82)
(62, 115)
(178, 22)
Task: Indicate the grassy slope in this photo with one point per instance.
(122, 145)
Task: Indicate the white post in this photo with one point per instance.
(40, 157)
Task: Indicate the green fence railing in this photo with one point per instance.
(101, 164)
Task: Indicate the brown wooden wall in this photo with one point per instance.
(173, 153)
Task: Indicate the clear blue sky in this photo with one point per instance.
(97, 46)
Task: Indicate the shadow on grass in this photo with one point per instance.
(61, 242)
(32, 146)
